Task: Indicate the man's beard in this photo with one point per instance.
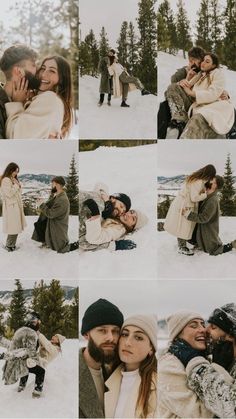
(99, 355)
(54, 190)
(33, 81)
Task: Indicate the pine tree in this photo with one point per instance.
(230, 35)
(216, 28)
(72, 188)
(227, 203)
(2, 326)
(147, 23)
(71, 317)
(123, 44)
(103, 43)
(166, 29)
(38, 296)
(85, 59)
(17, 310)
(183, 29)
(204, 26)
(132, 50)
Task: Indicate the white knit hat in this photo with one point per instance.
(177, 321)
(61, 338)
(142, 219)
(148, 323)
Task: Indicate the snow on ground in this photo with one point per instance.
(31, 261)
(60, 394)
(130, 170)
(168, 64)
(173, 265)
(113, 122)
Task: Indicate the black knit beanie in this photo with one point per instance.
(99, 313)
(225, 318)
(123, 198)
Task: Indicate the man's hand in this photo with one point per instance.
(184, 83)
(125, 244)
(190, 74)
(20, 90)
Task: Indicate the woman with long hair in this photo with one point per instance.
(192, 192)
(211, 114)
(12, 206)
(49, 113)
(132, 387)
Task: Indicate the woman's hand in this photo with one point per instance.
(188, 91)
(20, 90)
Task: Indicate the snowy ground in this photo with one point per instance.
(113, 122)
(173, 265)
(168, 64)
(130, 170)
(60, 395)
(31, 261)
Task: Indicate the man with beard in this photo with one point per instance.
(56, 210)
(17, 62)
(23, 345)
(101, 328)
(215, 383)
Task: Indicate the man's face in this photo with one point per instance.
(55, 187)
(194, 61)
(118, 207)
(215, 333)
(195, 334)
(102, 342)
(27, 69)
(110, 53)
(213, 185)
(30, 66)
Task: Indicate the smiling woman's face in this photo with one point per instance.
(195, 334)
(134, 347)
(48, 75)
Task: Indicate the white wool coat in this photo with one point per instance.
(117, 84)
(218, 113)
(12, 207)
(47, 351)
(175, 399)
(111, 397)
(40, 119)
(99, 232)
(188, 197)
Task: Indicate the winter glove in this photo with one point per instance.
(107, 212)
(125, 244)
(183, 351)
(92, 206)
(223, 353)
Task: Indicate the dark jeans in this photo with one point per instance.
(102, 95)
(39, 376)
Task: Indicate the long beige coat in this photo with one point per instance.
(218, 113)
(188, 197)
(175, 399)
(117, 84)
(40, 119)
(98, 231)
(12, 207)
(47, 351)
(111, 397)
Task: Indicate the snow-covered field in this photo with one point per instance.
(173, 265)
(130, 170)
(60, 395)
(168, 64)
(31, 261)
(113, 122)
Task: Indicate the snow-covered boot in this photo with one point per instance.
(109, 103)
(124, 104)
(10, 249)
(186, 251)
(74, 246)
(175, 129)
(145, 92)
(21, 387)
(100, 103)
(37, 391)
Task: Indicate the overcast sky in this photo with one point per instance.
(9, 284)
(52, 157)
(201, 296)
(132, 297)
(184, 157)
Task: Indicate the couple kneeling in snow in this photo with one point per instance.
(29, 351)
(105, 219)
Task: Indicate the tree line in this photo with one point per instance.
(215, 29)
(227, 195)
(49, 302)
(89, 145)
(136, 53)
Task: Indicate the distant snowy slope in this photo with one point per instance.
(131, 170)
(173, 265)
(168, 64)
(30, 261)
(114, 122)
(60, 395)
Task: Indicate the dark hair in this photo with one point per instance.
(112, 50)
(60, 180)
(196, 52)
(205, 173)
(63, 89)
(219, 181)
(15, 55)
(11, 167)
(214, 57)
